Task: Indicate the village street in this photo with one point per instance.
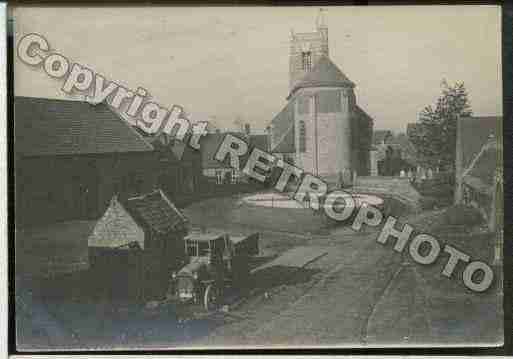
(349, 290)
(364, 294)
(359, 293)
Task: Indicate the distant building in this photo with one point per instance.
(479, 167)
(221, 172)
(391, 154)
(321, 129)
(72, 157)
(381, 137)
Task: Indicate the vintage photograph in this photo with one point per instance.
(257, 177)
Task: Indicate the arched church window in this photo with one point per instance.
(302, 136)
(303, 105)
(307, 60)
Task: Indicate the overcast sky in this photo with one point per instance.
(233, 62)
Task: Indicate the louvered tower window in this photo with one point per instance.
(302, 136)
(307, 60)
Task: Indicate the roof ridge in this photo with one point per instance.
(129, 126)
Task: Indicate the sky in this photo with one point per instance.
(224, 63)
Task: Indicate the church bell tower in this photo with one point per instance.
(306, 48)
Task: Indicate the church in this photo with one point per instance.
(321, 129)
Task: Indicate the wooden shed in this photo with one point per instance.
(136, 245)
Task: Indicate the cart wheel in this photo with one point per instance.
(210, 300)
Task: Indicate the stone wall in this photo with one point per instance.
(334, 137)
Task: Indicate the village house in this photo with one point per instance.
(136, 244)
(321, 129)
(479, 167)
(391, 154)
(70, 159)
(221, 173)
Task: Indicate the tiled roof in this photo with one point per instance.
(155, 211)
(324, 74)
(210, 144)
(474, 133)
(180, 150)
(283, 130)
(59, 127)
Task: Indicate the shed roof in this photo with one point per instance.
(155, 211)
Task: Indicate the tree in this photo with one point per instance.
(434, 136)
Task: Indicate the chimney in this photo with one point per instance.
(247, 129)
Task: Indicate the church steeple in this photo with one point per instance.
(307, 48)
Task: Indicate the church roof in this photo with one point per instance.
(286, 145)
(324, 74)
(283, 130)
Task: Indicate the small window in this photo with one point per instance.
(302, 136)
(219, 177)
(307, 60)
(303, 105)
